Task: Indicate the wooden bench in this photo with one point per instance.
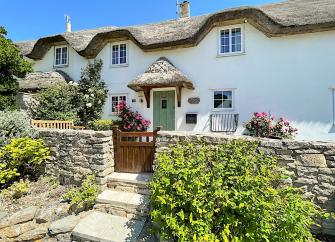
(54, 124)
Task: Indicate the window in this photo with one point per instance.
(61, 56)
(231, 41)
(115, 101)
(119, 54)
(223, 99)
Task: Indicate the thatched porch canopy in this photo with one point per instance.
(162, 73)
(41, 80)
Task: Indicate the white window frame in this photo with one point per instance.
(230, 53)
(67, 55)
(117, 95)
(111, 54)
(232, 90)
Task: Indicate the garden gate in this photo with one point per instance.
(134, 151)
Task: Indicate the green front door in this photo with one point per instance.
(164, 110)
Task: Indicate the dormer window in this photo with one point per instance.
(119, 54)
(61, 56)
(231, 41)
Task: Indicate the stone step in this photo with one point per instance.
(125, 204)
(130, 182)
(99, 226)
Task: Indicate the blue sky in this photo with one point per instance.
(31, 19)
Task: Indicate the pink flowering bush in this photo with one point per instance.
(264, 125)
(129, 120)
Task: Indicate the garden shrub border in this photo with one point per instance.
(311, 163)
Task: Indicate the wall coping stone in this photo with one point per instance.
(293, 144)
(98, 134)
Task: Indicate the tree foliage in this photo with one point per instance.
(93, 92)
(15, 124)
(58, 102)
(228, 192)
(12, 66)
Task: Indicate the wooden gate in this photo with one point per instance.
(134, 151)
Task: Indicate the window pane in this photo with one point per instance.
(236, 40)
(115, 55)
(227, 95)
(225, 41)
(115, 101)
(217, 95)
(217, 103)
(123, 54)
(164, 104)
(58, 56)
(64, 55)
(227, 104)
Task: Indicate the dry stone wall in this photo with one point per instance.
(78, 153)
(312, 164)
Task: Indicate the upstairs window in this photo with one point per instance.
(119, 54)
(61, 56)
(231, 41)
(115, 101)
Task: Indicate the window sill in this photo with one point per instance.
(222, 109)
(119, 65)
(230, 54)
(61, 66)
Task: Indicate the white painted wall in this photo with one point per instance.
(73, 69)
(288, 76)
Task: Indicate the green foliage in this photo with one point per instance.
(101, 124)
(58, 102)
(21, 157)
(93, 92)
(17, 189)
(14, 124)
(81, 102)
(227, 192)
(12, 66)
(84, 196)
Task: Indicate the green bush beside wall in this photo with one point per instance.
(227, 192)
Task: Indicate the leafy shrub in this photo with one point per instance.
(81, 102)
(227, 192)
(101, 124)
(93, 92)
(21, 157)
(58, 102)
(14, 124)
(129, 120)
(264, 125)
(17, 189)
(84, 196)
(12, 66)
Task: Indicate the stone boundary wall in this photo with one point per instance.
(312, 164)
(74, 154)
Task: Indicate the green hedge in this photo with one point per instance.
(227, 192)
(101, 125)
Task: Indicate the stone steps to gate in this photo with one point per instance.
(108, 228)
(120, 211)
(124, 204)
(130, 182)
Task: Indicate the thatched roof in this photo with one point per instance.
(290, 17)
(162, 73)
(40, 80)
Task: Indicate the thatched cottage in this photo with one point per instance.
(211, 72)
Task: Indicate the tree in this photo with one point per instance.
(12, 66)
(94, 92)
(58, 102)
